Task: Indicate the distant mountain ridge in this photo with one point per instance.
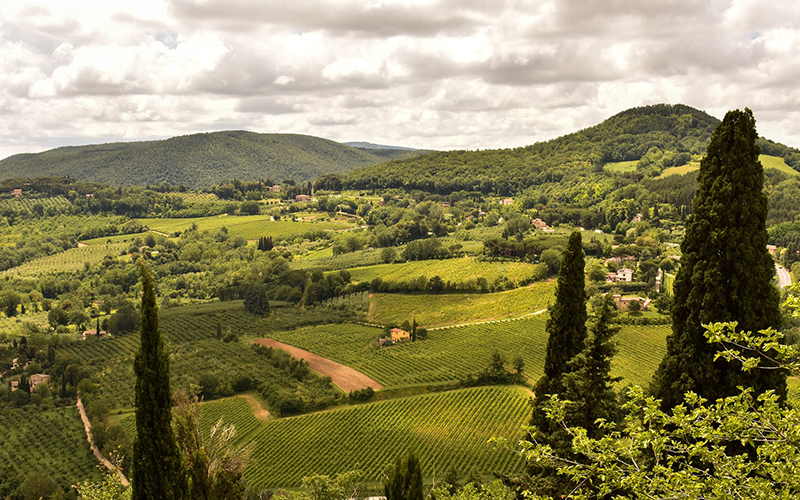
(198, 159)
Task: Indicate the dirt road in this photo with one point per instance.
(345, 377)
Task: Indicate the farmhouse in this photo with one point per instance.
(624, 303)
(539, 224)
(507, 201)
(623, 275)
(39, 378)
(399, 335)
(17, 192)
(301, 197)
(94, 333)
(275, 189)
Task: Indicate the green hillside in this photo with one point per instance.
(195, 160)
(643, 141)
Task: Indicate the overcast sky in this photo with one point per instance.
(441, 74)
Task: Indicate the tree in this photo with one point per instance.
(404, 481)
(566, 326)
(215, 464)
(9, 301)
(255, 299)
(694, 450)
(726, 271)
(590, 386)
(157, 468)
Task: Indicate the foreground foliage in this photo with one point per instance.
(741, 446)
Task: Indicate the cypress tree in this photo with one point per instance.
(157, 467)
(404, 481)
(566, 326)
(726, 271)
(590, 385)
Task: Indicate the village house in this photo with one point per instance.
(17, 192)
(301, 197)
(772, 249)
(275, 189)
(94, 333)
(446, 204)
(624, 303)
(623, 275)
(39, 378)
(399, 335)
(539, 224)
(507, 201)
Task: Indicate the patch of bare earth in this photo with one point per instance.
(345, 377)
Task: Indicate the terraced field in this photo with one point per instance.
(453, 353)
(456, 270)
(248, 226)
(68, 260)
(445, 429)
(446, 309)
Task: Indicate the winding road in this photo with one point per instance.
(783, 276)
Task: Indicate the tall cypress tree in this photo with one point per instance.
(566, 327)
(726, 272)
(404, 481)
(157, 467)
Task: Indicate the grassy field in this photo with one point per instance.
(249, 226)
(13, 325)
(68, 260)
(621, 166)
(447, 309)
(445, 429)
(766, 160)
(453, 353)
(456, 270)
(50, 442)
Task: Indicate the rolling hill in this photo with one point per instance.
(642, 141)
(197, 160)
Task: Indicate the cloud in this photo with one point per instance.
(422, 73)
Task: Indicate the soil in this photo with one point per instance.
(343, 376)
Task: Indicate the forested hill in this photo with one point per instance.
(195, 160)
(656, 137)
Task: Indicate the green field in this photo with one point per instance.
(447, 309)
(250, 227)
(14, 324)
(68, 260)
(766, 160)
(453, 353)
(458, 270)
(446, 429)
(50, 442)
(621, 166)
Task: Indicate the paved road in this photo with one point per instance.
(783, 276)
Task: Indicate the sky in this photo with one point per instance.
(437, 74)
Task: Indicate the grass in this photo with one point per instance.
(447, 309)
(778, 164)
(445, 429)
(455, 270)
(248, 226)
(453, 353)
(766, 160)
(621, 166)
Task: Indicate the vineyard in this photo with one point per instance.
(445, 309)
(68, 260)
(25, 204)
(250, 227)
(453, 353)
(233, 411)
(50, 442)
(329, 262)
(456, 270)
(446, 429)
(11, 326)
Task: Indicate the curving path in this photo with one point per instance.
(345, 377)
(100, 458)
